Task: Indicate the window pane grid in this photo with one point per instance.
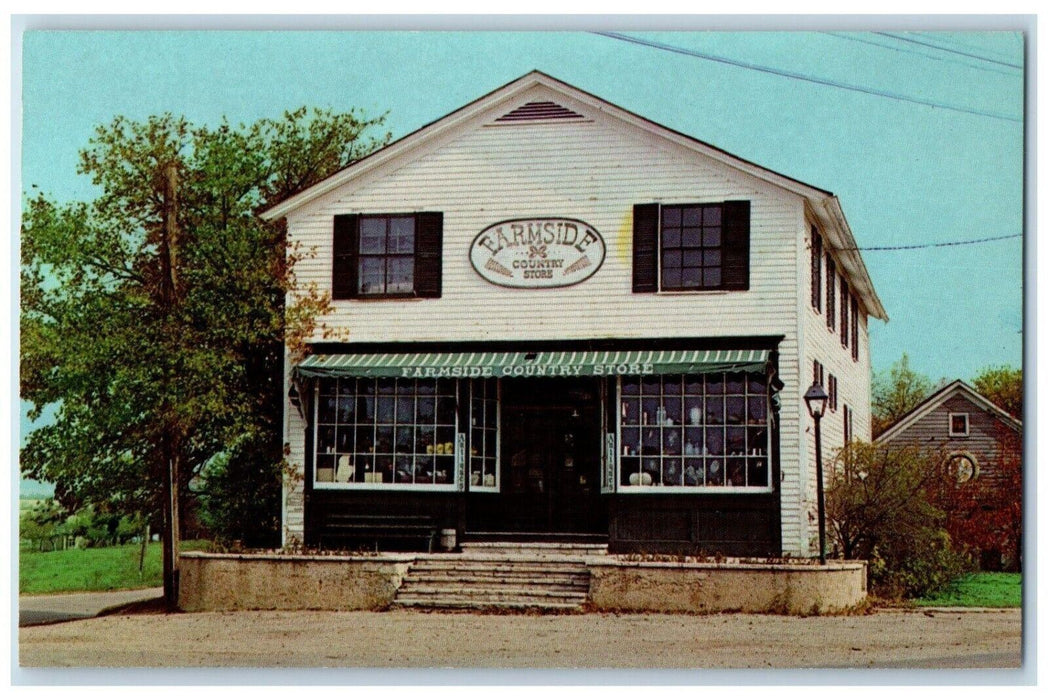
(691, 247)
(694, 431)
(387, 255)
(385, 431)
(483, 450)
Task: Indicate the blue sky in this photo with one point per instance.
(906, 173)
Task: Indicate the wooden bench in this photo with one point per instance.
(377, 528)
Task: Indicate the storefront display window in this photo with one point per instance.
(484, 432)
(391, 432)
(693, 431)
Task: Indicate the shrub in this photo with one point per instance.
(878, 508)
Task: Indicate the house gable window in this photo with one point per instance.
(958, 424)
(387, 255)
(691, 247)
(962, 467)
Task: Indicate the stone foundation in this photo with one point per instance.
(795, 589)
(215, 582)
(288, 582)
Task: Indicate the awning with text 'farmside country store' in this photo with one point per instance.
(594, 363)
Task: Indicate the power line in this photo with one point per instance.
(935, 245)
(902, 37)
(900, 49)
(806, 78)
(951, 39)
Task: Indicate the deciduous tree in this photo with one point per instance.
(127, 368)
(1003, 386)
(896, 392)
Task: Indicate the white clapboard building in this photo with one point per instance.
(553, 318)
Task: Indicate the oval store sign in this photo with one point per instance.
(534, 253)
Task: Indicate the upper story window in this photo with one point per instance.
(831, 292)
(387, 255)
(691, 247)
(816, 270)
(845, 296)
(855, 328)
(958, 424)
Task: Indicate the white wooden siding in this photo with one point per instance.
(585, 171)
(853, 385)
(594, 171)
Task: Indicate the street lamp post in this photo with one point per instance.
(816, 398)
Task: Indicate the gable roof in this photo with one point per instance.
(823, 204)
(937, 399)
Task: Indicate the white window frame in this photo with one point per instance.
(456, 472)
(683, 488)
(481, 488)
(967, 425)
(963, 455)
(658, 257)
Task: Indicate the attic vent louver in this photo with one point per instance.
(539, 110)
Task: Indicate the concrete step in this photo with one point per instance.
(545, 575)
(485, 588)
(497, 566)
(484, 605)
(496, 591)
(518, 579)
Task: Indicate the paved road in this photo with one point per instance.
(48, 609)
(410, 639)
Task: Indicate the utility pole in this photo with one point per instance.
(170, 447)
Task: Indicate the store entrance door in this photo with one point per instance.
(551, 457)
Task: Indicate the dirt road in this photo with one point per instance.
(407, 639)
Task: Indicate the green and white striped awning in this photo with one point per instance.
(533, 364)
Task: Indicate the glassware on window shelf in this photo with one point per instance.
(694, 414)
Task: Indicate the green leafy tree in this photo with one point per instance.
(153, 317)
(880, 507)
(1004, 386)
(896, 392)
(41, 523)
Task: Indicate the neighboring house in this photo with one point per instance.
(974, 436)
(962, 423)
(562, 319)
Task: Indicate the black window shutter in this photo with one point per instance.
(429, 248)
(645, 247)
(344, 257)
(735, 224)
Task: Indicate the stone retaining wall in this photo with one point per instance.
(288, 582)
(212, 582)
(711, 587)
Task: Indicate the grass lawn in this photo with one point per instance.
(99, 569)
(981, 590)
